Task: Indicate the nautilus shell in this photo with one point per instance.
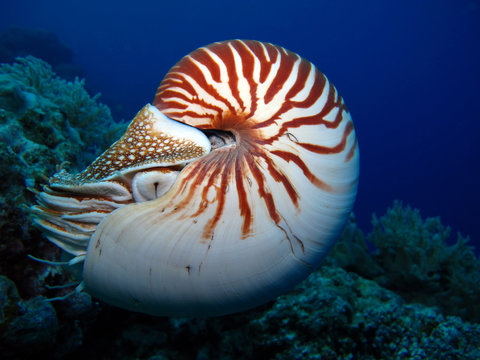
(222, 195)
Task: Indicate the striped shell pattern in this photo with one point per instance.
(224, 194)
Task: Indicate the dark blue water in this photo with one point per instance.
(408, 70)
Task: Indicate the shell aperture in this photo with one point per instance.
(268, 178)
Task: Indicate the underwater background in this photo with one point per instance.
(401, 284)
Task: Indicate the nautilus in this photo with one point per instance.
(223, 194)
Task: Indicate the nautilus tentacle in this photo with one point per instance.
(216, 226)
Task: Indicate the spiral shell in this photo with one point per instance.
(267, 176)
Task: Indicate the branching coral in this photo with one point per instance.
(419, 264)
(413, 258)
(351, 252)
(42, 101)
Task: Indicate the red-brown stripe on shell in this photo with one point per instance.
(260, 93)
(241, 223)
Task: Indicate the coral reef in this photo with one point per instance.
(419, 264)
(332, 315)
(44, 121)
(30, 324)
(31, 327)
(412, 257)
(339, 315)
(401, 292)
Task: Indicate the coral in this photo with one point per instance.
(44, 121)
(26, 327)
(412, 257)
(334, 314)
(46, 103)
(32, 327)
(351, 252)
(339, 315)
(418, 263)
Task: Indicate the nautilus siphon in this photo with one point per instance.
(222, 195)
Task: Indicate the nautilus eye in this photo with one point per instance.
(225, 193)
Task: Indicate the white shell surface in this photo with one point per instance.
(248, 221)
(150, 185)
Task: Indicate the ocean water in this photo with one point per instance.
(408, 71)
